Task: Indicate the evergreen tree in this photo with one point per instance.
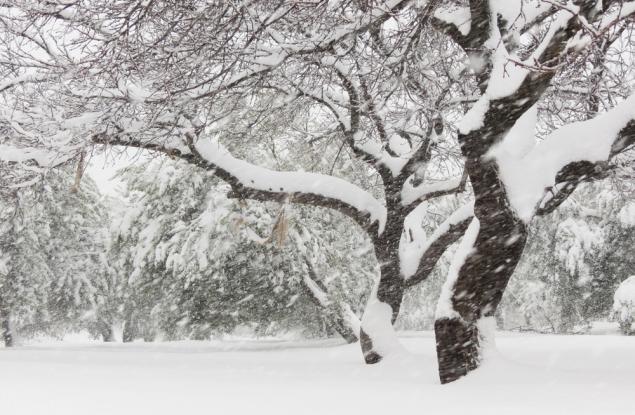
(189, 262)
(575, 261)
(50, 239)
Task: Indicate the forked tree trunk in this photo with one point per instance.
(482, 278)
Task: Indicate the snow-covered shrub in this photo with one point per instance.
(624, 304)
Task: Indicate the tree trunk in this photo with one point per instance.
(344, 330)
(567, 306)
(336, 320)
(483, 276)
(390, 290)
(129, 329)
(7, 335)
(500, 319)
(107, 333)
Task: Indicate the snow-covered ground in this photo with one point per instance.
(527, 374)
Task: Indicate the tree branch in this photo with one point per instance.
(571, 175)
(249, 181)
(444, 236)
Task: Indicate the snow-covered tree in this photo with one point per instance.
(574, 261)
(194, 263)
(76, 221)
(50, 238)
(383, 82)
(24, 274)
(363, 87)
(515, 49)
(624, 304)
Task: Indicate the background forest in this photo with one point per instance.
(172, 257)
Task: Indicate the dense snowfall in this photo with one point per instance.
(336, 206)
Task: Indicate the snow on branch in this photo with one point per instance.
(457, 16)
(314, 286)
(254, 182)
(511, 80)
(625, 9)
(411, 194)
(249, 181)
(30, 77)
(572, 152)
(418, 267)
(41, 157)
(608, 20)
(510, 75)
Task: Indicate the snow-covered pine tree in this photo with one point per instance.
(624, 305)
(50, 239)
(24, 274)
(76, 219)
(194, 262)
(576, 258)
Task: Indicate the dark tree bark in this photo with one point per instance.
(501, 236)
(391, 285)
(484, 275)
(478, 290)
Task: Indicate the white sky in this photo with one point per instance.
(102, 167)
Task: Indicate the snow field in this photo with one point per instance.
(527, 374)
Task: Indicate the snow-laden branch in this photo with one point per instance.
(510, 75)
(29, 77)
(42, 157)
(249, 181)
(455, 18)
(254, 182)
(512, 83)
(377, 152)
(625, 9)
(420, 257)
(608, 20)
(527, 177)
(315, 287)
(423, 192)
